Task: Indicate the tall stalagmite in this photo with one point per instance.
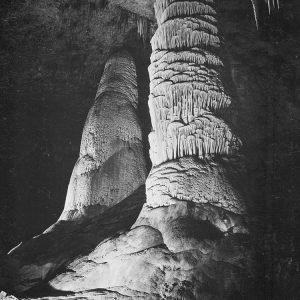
(111, 164)
(111, 169)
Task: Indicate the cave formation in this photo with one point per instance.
(190, 237)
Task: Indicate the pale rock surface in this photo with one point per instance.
(171, 252)
(187, 99)
(111, 164)
(5, 296)
(197, 180)
(97, 294)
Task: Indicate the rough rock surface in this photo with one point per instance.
(5, 296)
(215, 182)
(187, 97)
(170, 253)
(111, 163)
(37, 260)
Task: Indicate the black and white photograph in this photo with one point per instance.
(150, 149)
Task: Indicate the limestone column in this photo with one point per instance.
(190, 140)
(111, 162)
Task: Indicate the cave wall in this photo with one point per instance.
(264, 67)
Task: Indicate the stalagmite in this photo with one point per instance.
(106, 190)
(111, 164)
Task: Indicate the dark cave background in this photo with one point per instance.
(52, 55)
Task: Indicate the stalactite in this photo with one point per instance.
(142, 26)
(125, 18)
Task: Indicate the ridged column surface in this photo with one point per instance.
(187, 96)
(187, 103)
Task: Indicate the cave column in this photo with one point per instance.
(187, 103)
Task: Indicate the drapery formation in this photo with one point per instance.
(187, 104)
(187, 95)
